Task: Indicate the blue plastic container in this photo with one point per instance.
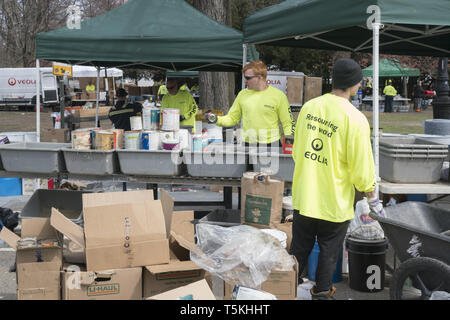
(10, 187)
(313, 260)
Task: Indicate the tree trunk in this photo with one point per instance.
(216, 88)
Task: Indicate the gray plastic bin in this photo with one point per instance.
(281, 165)
(409, 160)
(69, 203)
(216, 163)
(33, 157)
(91, 162)
(152, 163)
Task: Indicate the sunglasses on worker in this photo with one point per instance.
(250, 77)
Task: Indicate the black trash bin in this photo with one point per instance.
(366, 264)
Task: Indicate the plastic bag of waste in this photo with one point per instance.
(362, 225)
(240, 255)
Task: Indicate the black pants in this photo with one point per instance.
(330, 237)
(388, 100)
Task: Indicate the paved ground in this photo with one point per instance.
(7, 256)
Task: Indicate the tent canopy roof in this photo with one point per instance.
(409, 26)
(147, 34)
(391, 68)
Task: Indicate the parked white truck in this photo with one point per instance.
(18, 87)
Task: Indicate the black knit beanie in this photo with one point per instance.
(346, 73)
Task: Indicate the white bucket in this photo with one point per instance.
(170, 119)
(136, 123)
(146, 118)
(132, 140)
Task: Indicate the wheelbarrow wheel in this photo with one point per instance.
(418, 272)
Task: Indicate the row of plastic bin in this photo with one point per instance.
(52, 158)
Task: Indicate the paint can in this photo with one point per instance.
(136, 123)
(184, 138)
(145, 140)
(146, 118)
(132, 140)
(170, 119)
(81, 140)
(155, 115)
(154, 140)
(103, 140)
(197, 142)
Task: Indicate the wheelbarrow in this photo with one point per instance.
(420, 236)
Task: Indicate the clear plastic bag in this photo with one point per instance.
(240, 255)
(362, 225)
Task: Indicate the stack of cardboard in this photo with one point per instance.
(124, 246)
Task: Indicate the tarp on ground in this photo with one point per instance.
(147, 34)
(391, 68)
(411, 27)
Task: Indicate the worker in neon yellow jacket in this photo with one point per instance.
(182, 100)
(389, 94)
(333, 156)
(261, 108)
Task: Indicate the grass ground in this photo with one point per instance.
(401, 122)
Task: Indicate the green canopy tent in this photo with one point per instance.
(402, 27)
(146, 34)
(391, 68)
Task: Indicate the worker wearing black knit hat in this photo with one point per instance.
(333, 156)
(121, 113)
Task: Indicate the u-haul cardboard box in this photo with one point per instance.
(38, 266)
(180, 271)
(117, 284)
(121, 230)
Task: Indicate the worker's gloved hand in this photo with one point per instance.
(182, 118)
(376, 206)
(210, 117)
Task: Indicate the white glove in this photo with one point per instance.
(376, 206)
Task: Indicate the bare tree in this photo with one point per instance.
(93, 8)
(216, 88)
(21, 21)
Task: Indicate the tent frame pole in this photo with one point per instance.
(376, 110)
(38, 101)
(97, 97)
(244, 62)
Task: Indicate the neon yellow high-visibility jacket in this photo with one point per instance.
(184, 87)
(389, 91)
(162, 90)
(333, 156)
(183, 101)
(261, 112)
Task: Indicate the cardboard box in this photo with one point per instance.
(294, 90)
(282, 284)
(38, 267)
(195, 291)
(313, 88)
(117, 284)
(121, 230)
(180, 271)
(87, 113)
(133, 90)
(55, 135)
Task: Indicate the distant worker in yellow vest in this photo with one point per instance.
(333, 156)
(90, 89)
(195, 88)
(162, 90)
(261, 107)
(182, 100)
(389, 92)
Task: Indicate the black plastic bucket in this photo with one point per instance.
(366, 264)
